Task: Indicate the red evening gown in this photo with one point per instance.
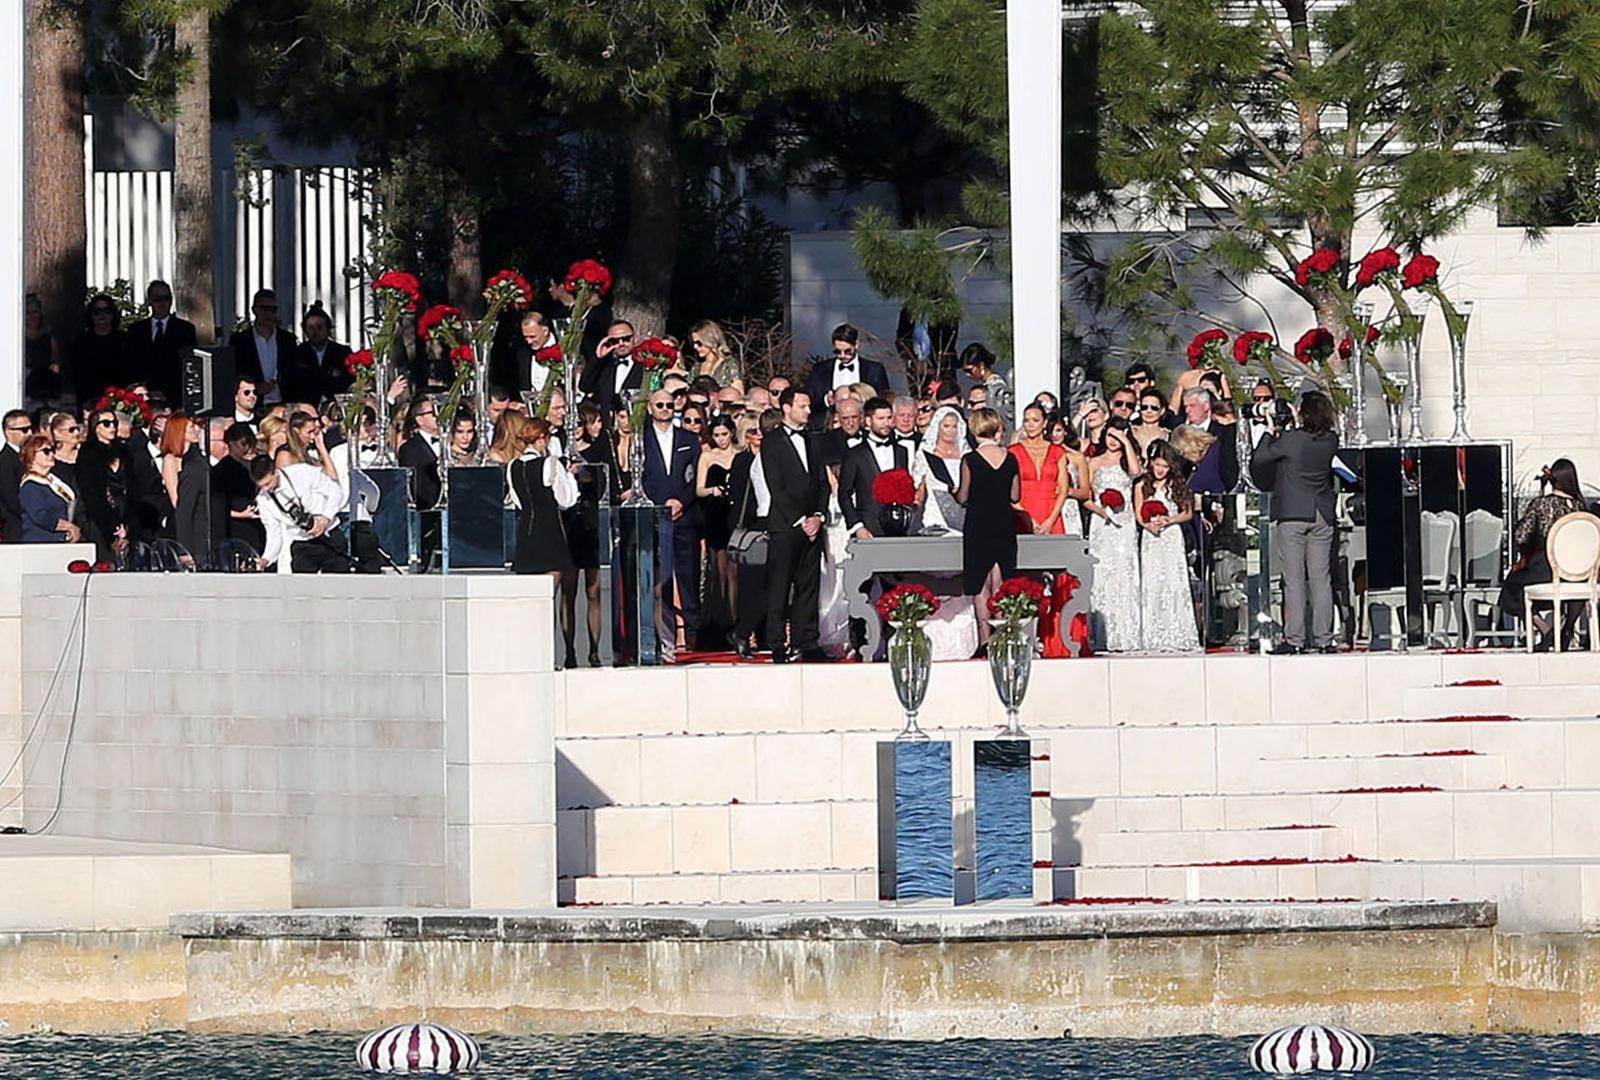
(1039, 488)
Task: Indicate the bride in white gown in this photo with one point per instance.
(953, 630)
(1166, 604)
(1114, 543)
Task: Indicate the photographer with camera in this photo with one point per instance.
(299, 506)
(1296, 466)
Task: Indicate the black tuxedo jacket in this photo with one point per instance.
(309, 381)
(856, 476)
(246, 361)
(161, 363)
(599, 384)
(836, 444)
(798, 491)
(416, 455)
(10, 501)
(819, 383)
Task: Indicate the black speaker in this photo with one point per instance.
(209, 380)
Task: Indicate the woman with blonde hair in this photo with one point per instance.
(506, 445)
(714, 357)
(273, 433)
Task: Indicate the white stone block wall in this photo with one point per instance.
(391, 734)
(1533, 372)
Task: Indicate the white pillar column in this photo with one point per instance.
(1033, 77)
(12, 286)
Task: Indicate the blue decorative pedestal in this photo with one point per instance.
(916, 835)
(633, 637)
(1012, 820)
(391, 521)
(474, 519)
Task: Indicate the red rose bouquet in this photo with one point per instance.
(654, 352)
(1347, 346)
(398, 287)
(1152, 509)
(463, 356)
(359, 362)
(549, 356)
(907, 605)
(1314, 347)
(588, 275)
(1249, 346)
(1206, 348)
(1375, 264)
(1420, 272)
(125, 402)
(1317, 268)
(443, 321)
(894, 487)
(1017, 599)
(506, 291)
(1111, 499)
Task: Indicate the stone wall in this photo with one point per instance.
(391, 734)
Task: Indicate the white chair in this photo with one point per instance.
(1573, 548)
(1485, 575)
(1441, 557)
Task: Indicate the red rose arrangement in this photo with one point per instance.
(1152, 509)
(1206, 347)
(463, 357)
(441, 319)
(894, 487)
(1320, 263)
(122, 400)
(590, 273)
(1247, 345)
(1111, 499)
(1421, 271)
(400, 287)
(1017, 598)
(1314, 346)
(507, 290)
(359, 360)
(1347, 346)
(549, 356)
(656, 352)
(907, 604)
(1374, 264)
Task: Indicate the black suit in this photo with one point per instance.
(10, 503)
(819, 383)
(311, 380)
(160, 363)
(835, 444)
(147, 492)
(232, 489)
(794, 562)
(856, 477)
(599, 384)
(678, 543)
(248, 362)
(415, 454)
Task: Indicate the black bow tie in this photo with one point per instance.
(370, 448)
(882, 442)
(847, 365)
(795, 433)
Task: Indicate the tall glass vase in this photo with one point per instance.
(1395, 410)
(636, 496)
(1412, 344)
(1350, 422)
(1458, 368)
(910, 661)
(1010, 664)
(1357, 330)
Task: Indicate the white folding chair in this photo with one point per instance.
(1573, 548)
(1441, 556)
(1485, 575)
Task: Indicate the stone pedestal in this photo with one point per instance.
(1012, 819)
(916, 835)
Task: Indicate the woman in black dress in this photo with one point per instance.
(596, 468)
(186, 476)
(622, 450)
(990, 487)
(711, 491)
(539, 486)
(1560, 494)
(99, 357)
(103, 472)
(746, 511)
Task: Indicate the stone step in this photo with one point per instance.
(1215, 845)
(1446, 770)
(80, 883)
(793, 886)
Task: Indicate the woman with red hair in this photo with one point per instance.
(183, 474)
(46, 500)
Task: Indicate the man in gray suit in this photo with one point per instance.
(1297, 467)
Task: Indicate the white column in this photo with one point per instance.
(12, 286)
(1033, 66)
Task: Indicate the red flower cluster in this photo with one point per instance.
(1386, 260)
(1206, 344)
(549, 356)
(1346, 346)
(587, 270)
(439, 315)
(1246, 343)
(407, 285)
(1111, 499)
(894, 487)
(1321, 262)
(907, 603)
(1421, 270)
(462, 356)
(1152, 509)
(1314, 345)
(656, 352)
(1018, 598)
(122, 400)
(361, 358)
(510, 289)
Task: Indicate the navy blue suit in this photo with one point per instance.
(678, 542)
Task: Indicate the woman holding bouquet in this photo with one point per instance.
(990, 487)
(1114, 541)
(1166, 605)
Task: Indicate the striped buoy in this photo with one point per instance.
(410, 1049)
(1309, 1048)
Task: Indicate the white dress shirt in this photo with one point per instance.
(664, 440)
(884, 453)
(797, 439)
(846, 374)
(624, 369)
(158, 327)
(313, 490)
(758, 487)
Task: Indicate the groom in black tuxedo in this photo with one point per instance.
(847, 368)
(612, 373)
(877, 453)
(791, 463)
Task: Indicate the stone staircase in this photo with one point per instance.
(1481, 784)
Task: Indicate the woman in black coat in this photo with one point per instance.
(104, 475)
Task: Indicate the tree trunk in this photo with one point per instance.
(191, 181)
(55, 223)
(655, 191)
(464, 276)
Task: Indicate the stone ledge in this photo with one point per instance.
(839, 922)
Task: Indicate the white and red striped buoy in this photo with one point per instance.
(1307, 1048)
(415, 1049)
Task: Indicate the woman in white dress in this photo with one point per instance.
(937, 470)
(1114, 542)
(1166, 605)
